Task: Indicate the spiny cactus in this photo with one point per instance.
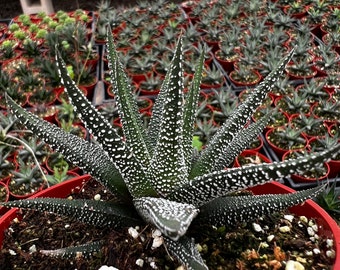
(159, 177)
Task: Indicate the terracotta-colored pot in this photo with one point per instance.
(228, 66)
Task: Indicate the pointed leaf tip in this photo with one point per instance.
(171, 218)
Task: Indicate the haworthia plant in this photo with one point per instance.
(153, 171)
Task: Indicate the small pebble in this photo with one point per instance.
(289, 217)
(133, 232)
(199, 248)
(330, 253)
(156, 233)
(315, 227)
(330, 242)
(157, 242)
(270, 237)
(32, 249)
(293, 265)
(303, 219)
(140, 262)
(301, 260)
(153, 265)
(105, 267)
(311, 223)
(310, 231)
(263, 245)
(309, 253)
(257, 227)
(97, 197)
(12, 252)
(316, 251)
(284, 229)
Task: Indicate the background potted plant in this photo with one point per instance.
(285, 138)
(318, 173)
(244, 75)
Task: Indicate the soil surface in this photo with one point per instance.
(246, 246)
(10, 9)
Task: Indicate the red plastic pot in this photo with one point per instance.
(242, 83)
(327, 225)
(294, 76)
(334, 164)
(249, 154)
(281, 151)
(212, 86)
(145, 104)
(5, 188)
(298, 178)
(58, 191)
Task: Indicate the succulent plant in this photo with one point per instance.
(156, 173)
(27, 179)
(329, 200)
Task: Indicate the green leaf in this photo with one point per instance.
(190, 107)
(203, 189)
(97, 213)
(240, 142)
(85, 250)
(171, 218)
(236, 121)
(109, 140)
(88, 156)
(134, 131)
(157, 112)
(168, 169)
(185, 250)
(196, 143)
(232, 210)
(329, 200)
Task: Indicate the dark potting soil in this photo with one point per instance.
(240, 248)
(49, 231)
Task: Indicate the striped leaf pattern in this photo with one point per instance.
(205, 188)
(134, 131)
(236, 121)
(128, 166)
(97, 213)
(153, 170)
(171, 218)
(88, 156)
(241, 141)
(168, 168)
(232, 210)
